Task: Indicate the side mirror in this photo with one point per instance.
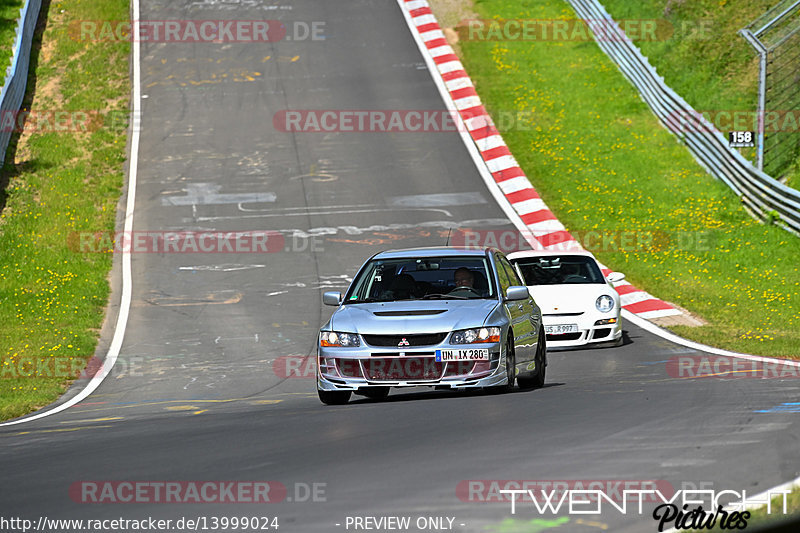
(332, 298)
(517, 292)
(615, 277)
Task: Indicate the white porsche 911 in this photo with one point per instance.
(579, 305)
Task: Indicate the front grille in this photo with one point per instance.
(412, 340)
(602, 332)
(563, 314)
(565, 337)
(402, 368)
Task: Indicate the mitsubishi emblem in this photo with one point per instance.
(403, 342)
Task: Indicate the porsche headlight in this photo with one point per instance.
(604, 303)
(335, 338)
(471, 336)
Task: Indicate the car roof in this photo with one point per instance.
(433, 251)
(548, 253)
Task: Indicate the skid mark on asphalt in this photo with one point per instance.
(225, 297)
(182, 405)
(60, 430)
(227, 267)
(87, 420)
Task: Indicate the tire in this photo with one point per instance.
(334, 397)
(511, 369)
(374, 393)
(537, 381)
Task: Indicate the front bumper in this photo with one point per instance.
(368, 366)
(588, 331)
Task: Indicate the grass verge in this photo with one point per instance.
(9, 13)
(600, 159)
(724, 73)
(60, 183)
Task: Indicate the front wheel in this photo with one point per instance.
(537, 381)
(511, 368)
(334, 397)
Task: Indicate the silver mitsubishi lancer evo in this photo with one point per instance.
(446, 317)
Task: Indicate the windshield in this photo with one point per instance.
(559, 270)
(423, 278)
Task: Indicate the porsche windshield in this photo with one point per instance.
(423, 278)
(559, 270)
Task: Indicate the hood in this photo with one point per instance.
(429, 316)
(571, 298)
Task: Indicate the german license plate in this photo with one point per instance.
(559, 329)
(473, 354)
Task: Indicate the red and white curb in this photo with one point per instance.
(539, 225)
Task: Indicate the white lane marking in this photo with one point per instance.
(659, 314)
(490, 142)
(668, 335)
(467, 102)
(436, 200)
(228, 267)
(530, 206)
(450, 66)
(635, 297)
(424, 19)
(504, 163)
(207, 194)
(430, 36)
(305, 208)
(459, 83)
(514, 184)
(322, 212)
(478, 122)
(354, 230)
(550, 226)
(127, 282)
(477, 159)
(441, 51)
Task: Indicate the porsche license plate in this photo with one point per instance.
(474, 354)
(559, 329)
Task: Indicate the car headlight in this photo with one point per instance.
(604, 304)
(470, 336)
(335, 338)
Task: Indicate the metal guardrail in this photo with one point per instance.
(764, 196)
(13, 91)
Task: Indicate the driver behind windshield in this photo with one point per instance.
(464, 278)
